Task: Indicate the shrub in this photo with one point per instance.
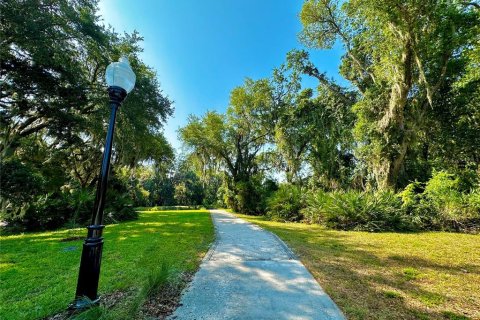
(473, 202)
(315, 210)
(386, 213)
(442, 203)
(20, 182)
(81, 201)
(119, 208)
(454, 210)
(72, 206)
(353, 210)
(244, 196)
(119, 205)
(246, 199)
(345, 210)
(285, 204)
(21, 185)
(47, 212)
(439, 204)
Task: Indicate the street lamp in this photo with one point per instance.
(120, 80)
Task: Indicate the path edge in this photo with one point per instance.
(214, 244)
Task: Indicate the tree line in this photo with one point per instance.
(398, 149)
(401, 142)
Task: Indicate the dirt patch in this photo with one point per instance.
(59, 316)
(164, 304)
(108, 301)
(111, 299)
(159, 306)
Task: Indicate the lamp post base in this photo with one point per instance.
(82, 304)
(89, 274)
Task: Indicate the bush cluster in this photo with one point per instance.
(353, 210)
(442, 203)
(72, 208)
(27, 206)
(285, 204)
(439, 204)
(248, 197)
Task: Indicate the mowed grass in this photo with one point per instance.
(431, 275)
(39, 271)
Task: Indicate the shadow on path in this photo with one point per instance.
(251, 274)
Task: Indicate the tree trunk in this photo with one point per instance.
(393, 124)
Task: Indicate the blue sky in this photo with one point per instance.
(201, 50)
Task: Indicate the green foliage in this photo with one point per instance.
(352, 210)
(440, 204)
(316, 34)
(234, 141)
(20, 184)
(49, 83)
(285, 204)
(188, 189)
(47, 212)
(473, 200)
(413, 107)
(53, 110)
(26, 206)
(157, 281)
(119, 205)
(404, 58)
(211, 188)
(161, 189)
(437, 204)
(410, 110)
(245, 197)
(315, 204)
(442, 192)
(132, 180)
(81, 199)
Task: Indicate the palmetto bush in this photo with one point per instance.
(285, 204)
(317, 205)
(353, 210)
(440, 204)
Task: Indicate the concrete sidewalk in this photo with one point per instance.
(251, 274)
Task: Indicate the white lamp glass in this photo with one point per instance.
(120, 74)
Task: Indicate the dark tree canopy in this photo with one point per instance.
(54, 105)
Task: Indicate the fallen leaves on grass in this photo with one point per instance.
(167, 298)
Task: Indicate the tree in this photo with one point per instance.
(188, 188)
(398, 55)
(54, 105)
(235, 139)
(50, 65)
(312, 129)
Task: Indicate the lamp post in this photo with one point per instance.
(120, 80)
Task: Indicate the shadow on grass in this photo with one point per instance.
(39, 271)
(424, 263)
(370, 286)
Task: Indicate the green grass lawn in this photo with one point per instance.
(38, 271)
(431, 275)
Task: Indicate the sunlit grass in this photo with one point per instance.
(431, 275)
(39, 271)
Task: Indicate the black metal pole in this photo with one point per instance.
(89, 273)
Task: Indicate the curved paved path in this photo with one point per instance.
(250, 273)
